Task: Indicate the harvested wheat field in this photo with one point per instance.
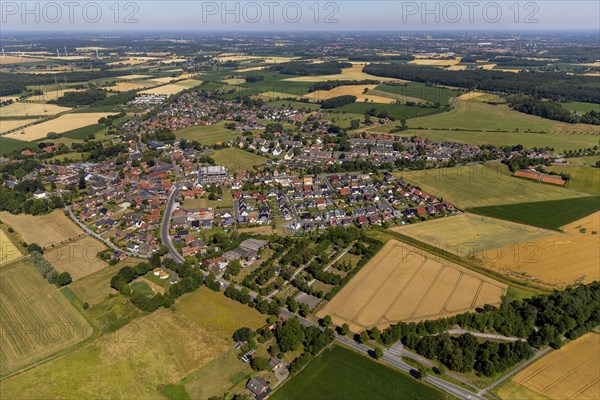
(402, 283)
(27, 109)
(165, 79)
(9, 125)
(52, 95)
(44, 230)
(557, 260)
(173, 88)
(436, 62)
(61, 124)
(8, 251)
(133, 76)
(353, 73)
(352, 90)
(573, 372)
(17, 60)
(78, 258)
(127, 86)
(36, 319)
(469, 234)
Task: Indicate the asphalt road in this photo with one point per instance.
(396, 362)
(100, 238)
(164, 228)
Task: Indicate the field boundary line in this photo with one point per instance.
(424, 295)
(360, 310)
(583, 389)
(383, 317)
(462, 273)
(481, 283)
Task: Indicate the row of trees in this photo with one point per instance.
(48, 271)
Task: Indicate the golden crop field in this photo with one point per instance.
(52, 95)
(559, 259)
(9, 125)
(36, 319)
(468, 234)
(153, 350)
(77, 258)
(17, 60)
(568, 373)
(353, 73)
(27, 109)
(352, 90)
(133, 76)
(402, 283)
(126, 86)
(436, 62)
(8, 251)
(42, 229)
(172, 88)
(165, 79)
(61, 124)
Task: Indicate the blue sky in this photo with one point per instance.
(301, 15)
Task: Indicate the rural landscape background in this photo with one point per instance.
(334, 200)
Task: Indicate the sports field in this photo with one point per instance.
(208, 134)
(402, 283)
(77, 258)
(42, 229)
(36, 319)
(27, 109)
(157, 349)
(340, 373)
(559, 259)
(468, 234)
(8, 251)
(64, 123)
(568, 373)
(237, 160)
(483, 185)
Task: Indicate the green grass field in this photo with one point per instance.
(36, 319)
(559, 141)
(8, 145)
(483, 185)
(481, 116)
(544, 214)
(396, 111)
(84, 132)
(208, 134)
(581, 107)
(584, 179)
(340, 373)
(237, 160)
(420, 91)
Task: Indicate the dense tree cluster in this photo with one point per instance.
(98, 151)
(552, 85)
(311, 69)
(551, 110)
(20, 199)
(338, 101)
(80, 98)
(541, 320)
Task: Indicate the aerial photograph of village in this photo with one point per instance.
(351, 200)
